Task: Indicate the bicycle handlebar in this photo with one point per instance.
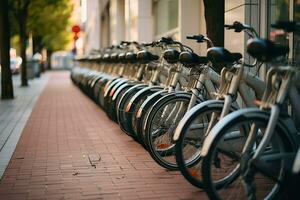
(200, 39)
(163, 40)
(238, 27)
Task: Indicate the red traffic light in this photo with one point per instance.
(75, 29)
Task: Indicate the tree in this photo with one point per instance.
(47, 20)
(6, 79)
(50, 21)
(20, 10)
(214, 18)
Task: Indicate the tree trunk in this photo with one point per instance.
(214, 18)
(23, 38)
(49, 53)
(37, 44)
(6, 79)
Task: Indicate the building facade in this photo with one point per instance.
(111, 21)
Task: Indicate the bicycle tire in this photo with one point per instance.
(189, 166)
(261, 119)
(143, 112)
(161, 146)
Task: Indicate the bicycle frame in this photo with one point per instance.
(286, 89)
(231, 84)
(206, 79)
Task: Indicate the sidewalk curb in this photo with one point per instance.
(14, 128)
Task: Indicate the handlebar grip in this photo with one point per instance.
(199, 38)
(228, 26)
(237, 26)
(191, 37)
(125, 42)
(148, 44)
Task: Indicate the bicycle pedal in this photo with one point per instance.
(194, 173)
(261, 104)
(162, 146)
(257, 102)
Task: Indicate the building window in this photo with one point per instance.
(297, 33)
(166, 17)
(281, 10)
(278, 10)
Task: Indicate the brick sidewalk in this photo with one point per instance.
(58, 154)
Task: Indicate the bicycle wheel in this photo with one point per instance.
(224, 165)
(116, 98)
(96, 88)
(121, 107)
(109, 89)
(101, 88)
(160, 126)
(110, 111)
(192, 130)
(135, 103)
(143, 112)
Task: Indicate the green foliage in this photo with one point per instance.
(14, 28)
(47, 19)
(50, 20)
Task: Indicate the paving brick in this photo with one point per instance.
(65, 129)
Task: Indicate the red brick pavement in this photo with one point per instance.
(57, 155)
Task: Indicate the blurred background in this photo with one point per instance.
(47, 34)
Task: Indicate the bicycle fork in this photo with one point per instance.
(247, 160)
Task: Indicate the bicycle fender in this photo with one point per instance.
(125, 95)
(112, 84)
(116, 86)
(149, 101)
(109, 81)
(120, 89)
(141, 93)
(194, 110)
(243, 113)
(172, 95)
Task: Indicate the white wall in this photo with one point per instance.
(117, 21)
(234, 11)
(92, 26)
(191, 22)
(145, 21)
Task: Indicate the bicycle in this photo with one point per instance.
(256, 144)
(197, 122)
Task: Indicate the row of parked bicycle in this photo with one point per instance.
(212, 117)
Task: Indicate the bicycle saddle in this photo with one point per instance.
(146, 57)
(90, 59)
(93, 58)
(171, 55)
(220, 55)
(190, 59)
(82, 59)
(265, 50)
(131, 57)
(113, 57)
(98, 58)
(121, 57)
(106, 57)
